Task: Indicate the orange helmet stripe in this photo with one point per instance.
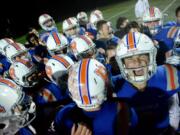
(56, 38)
(62, 61)
(151, 11)
(131, 41)
(83, 82)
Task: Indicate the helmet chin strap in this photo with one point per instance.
(139, 81)
(140, 85)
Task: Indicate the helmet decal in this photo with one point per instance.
(83, 82)
(101, 71)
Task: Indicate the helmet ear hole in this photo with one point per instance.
(2, 125)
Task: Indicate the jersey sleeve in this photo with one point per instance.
(172, 77)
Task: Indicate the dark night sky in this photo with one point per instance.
(18, 16)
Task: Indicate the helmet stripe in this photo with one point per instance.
(25, 62)
(86, 40)
(62, 61)
(97, 15)
(171, 32)
(45, 15)
(69, 21)
(15, 45)
(151, 10)
(56, 38)
(83, 82)
(131, 41)
(8, 40)
(7, 82)
(172, 79)
(134, 39)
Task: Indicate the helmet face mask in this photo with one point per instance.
(175, 58)
(18, 112)
(24, 73)
(82, 18)
(153, 19)
(14, 50)
(133, 71)
(86, 54)
(72, 31)
(49, 23)
(60, 50)
(46, 22)
(57, 43)
(24, 110)
(31, 79)
(153, 26)
(21, 55)
(141, 73)
(70, 27)
(137, 65)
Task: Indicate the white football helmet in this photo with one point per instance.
(17, 110)
(98, 12)
(3, 43)
(24, 73)
(153, 19)
(68, 24)
(57, 66)
(46, 22)
(56, 42)
(14, 50)
(175, 58)
(82, 47)
(95, 16)
(132, 44)
(87, 84)
(82, 17)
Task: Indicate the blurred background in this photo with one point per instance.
(18, 16)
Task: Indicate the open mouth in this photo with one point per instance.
(138, 72)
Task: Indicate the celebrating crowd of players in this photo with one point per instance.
(92, 79)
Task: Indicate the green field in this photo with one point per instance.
(126, 8)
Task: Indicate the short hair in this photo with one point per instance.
(100, 24)
(177, 10)
(133, 24)
(120, 22)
